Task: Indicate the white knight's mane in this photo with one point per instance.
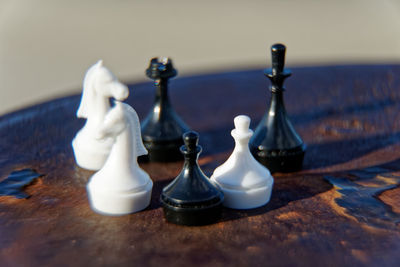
(88, 90)
(135, 128)
(123, 113)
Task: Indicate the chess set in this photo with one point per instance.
(112, 140)
(120, 190)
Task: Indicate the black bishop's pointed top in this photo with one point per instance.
(191, 198)
(277, 74)
(278, 57)
(275, 142)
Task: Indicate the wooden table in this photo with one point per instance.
(342, 209)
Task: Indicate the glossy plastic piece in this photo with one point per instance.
(99, 86)
(245, 182)
(191, 198)
(162, 129)
(275, 142)
(120, 186)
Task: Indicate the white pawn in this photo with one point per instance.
(99, 86)
(121, 186)
(245, 182)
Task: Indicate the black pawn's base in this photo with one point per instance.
(192, 216)
(281, 160)
(163, 151)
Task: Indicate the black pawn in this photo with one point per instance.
(162, 129)
(275, 143)
(192, 198)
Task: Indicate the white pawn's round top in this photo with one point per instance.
(242, 124)
(245, 182)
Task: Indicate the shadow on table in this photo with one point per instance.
(286, 189)
(365, 206)
(341, 151)
(156, 193)
(320, 113)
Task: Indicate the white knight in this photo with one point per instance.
(99, 86)
(121, 186)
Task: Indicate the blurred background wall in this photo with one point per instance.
(47, 45)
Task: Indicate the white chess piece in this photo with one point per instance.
(245, 182)
(121, 186)
(99, 86)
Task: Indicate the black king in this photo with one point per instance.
(275, 143)
(162, 129)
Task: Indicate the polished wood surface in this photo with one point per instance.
(342, 209)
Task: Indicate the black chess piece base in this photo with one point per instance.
(163, 151)
(289, 160)
(192, 215)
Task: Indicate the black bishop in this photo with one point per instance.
(275, 142)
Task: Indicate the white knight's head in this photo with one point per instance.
(108, 85)
(100, 82)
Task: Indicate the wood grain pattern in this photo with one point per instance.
(348, 116)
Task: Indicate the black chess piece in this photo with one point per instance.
(192, 198)
(275, 142)
(162, 129)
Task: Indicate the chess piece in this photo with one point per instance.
(275, 143)
(245, 182)
(99, 86)
(191, 198)
(120, 186)
(162, 129)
